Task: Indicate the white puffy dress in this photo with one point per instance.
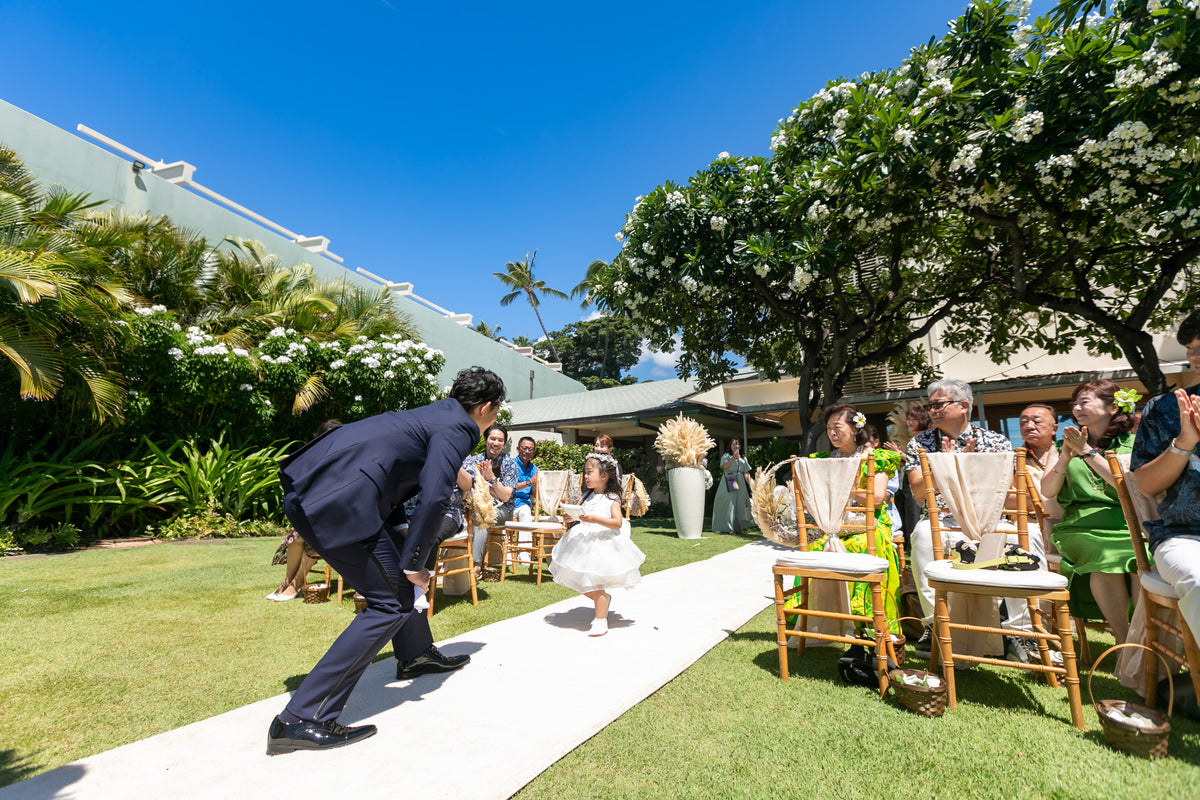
(591, 557)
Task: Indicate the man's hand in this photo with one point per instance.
(419, 579)
(486, 467)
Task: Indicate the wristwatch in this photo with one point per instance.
(1178, 450)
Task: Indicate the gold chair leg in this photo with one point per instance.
(883, 638)
(944, 645)
(1074, 695)
(781, 628)
(1151, 671)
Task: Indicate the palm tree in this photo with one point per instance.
(586, 289)
(60, 300)
(518, 276)
(491, 332)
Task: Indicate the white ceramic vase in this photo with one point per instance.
(687, 500)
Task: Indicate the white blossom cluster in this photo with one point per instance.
(1047, 168)
(966, 158)
(1155, 65)
(904, 135)
(146, 311)
(1180, 93)
(1027, 126)
(675, 199)
(719, 224)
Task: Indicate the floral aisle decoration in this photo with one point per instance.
(684, 444)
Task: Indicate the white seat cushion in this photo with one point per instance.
(457, 538)
(1153, 583)
(849, 563)
(1023, 580)
(533, 526)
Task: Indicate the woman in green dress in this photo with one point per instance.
(845, 426)
(1092, 536)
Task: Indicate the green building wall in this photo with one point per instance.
(60, 158)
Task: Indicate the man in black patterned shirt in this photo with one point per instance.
(950, 431)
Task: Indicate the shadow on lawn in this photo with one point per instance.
(15, 767)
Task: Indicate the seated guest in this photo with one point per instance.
(294, 552)
(951, 431)
(848, 437)
(1039, 425)
(500, 472)
(893, 484)
(526, 480)
(1164, 460)
(1092, 537)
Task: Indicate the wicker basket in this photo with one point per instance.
(360, 603)
(1150, 742)
(316, 592)
(898, 646)
(928, 701)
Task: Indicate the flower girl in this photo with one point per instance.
(597, 554)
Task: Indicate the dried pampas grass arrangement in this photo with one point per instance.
(683, 442)
(479, 502)
(770, 511)
(639, 501)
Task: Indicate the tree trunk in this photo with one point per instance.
(542, 325)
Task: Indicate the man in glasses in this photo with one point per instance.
(526, 480)
(950, 431)
(1039, 424)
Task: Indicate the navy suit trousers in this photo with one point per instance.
(373, 568)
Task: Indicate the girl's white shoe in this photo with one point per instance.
(599, 627)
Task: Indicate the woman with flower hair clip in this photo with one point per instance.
(846, 428)
(597, 554)
(1092, 537)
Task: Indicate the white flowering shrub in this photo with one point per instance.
(184, 383)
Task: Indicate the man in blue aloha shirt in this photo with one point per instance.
(526, 480)
(1165, 461)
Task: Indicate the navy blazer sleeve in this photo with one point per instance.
(447, 449)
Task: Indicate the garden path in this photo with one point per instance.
(536, 688)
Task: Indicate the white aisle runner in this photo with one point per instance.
(474, 733)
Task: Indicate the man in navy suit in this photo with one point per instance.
(344, 493)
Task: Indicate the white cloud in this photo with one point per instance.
(596, 314)
(659, 365)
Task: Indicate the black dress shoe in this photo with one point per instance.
(284, 737)
(432, 660)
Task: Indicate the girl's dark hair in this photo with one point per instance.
(839, 410)
(1121, 422)
(475, 386)
(612, 484)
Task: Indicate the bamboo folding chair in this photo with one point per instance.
(842, 567)
(1033, 585)
(454, 557)
(1054, 563)
(544, 531)
(1156, 594)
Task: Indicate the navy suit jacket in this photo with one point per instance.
(349, 481)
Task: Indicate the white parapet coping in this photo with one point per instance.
(181, 173)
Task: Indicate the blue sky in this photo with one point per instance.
(434, 143)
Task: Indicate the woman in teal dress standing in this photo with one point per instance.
(1092, 536)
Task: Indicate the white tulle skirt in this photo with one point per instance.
(591, 557)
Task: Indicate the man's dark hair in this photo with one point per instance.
(525, 439)
(1189, 329)
(475, 386)
(495, 427)
(1046, 406)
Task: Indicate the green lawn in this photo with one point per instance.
(105, 647)
(148, 639)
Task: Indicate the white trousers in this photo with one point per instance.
(1178, 562)
(921, 542)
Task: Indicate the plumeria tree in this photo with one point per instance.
(1061, 155)
(1022, 182)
